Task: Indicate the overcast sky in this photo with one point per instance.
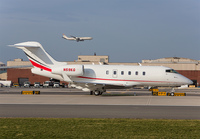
(126, 30)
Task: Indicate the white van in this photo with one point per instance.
(37, 84)
(56, 85)
(26, 84)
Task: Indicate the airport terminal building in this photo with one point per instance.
(187, 67)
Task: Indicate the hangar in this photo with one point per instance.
(187, 67)
(3, 74)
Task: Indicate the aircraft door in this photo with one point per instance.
(114, 73)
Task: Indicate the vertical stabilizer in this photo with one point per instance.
(37, 55)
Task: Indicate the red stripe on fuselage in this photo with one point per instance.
(122, 80)
(40, 66)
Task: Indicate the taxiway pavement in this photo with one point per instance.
(72, 103)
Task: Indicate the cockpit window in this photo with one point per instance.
(171, 71)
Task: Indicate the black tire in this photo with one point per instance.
(96, 93)
(101, 93)
(91, 92)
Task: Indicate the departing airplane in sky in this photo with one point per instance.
(76, 38)
(98, 78)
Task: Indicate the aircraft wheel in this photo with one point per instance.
(102, 92)
(96, 93)
(91, 92)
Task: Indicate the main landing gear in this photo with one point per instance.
(97, 92)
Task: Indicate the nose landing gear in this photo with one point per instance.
(172, 92)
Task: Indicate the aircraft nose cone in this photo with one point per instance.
(190, 82)
(186, 81)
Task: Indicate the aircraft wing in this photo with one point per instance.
(85, 38)
(10, 67)
(93, 86)
(82, 38)
(73, 36)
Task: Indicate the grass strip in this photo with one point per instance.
(44, 128)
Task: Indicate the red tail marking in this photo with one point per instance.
(40, 66)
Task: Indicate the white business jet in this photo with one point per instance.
(76, 38)
(98, 78)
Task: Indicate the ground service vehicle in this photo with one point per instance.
(56, 85)
(26, 84)
(37, 84)
(15, 84)
(47, 84)
(5, 83)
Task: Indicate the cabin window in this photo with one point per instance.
(122, 72)
(136, 73)
(114, 72)
(107, 72)
(129, 72)
(144, 73)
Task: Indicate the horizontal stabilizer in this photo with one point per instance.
(26, 44)
(11, 67)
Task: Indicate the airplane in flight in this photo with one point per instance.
(98, 78)
(76, 38)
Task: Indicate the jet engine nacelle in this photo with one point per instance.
(71, 70)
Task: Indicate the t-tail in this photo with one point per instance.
(38, 56)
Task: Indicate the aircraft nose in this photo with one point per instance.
(188, 81)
